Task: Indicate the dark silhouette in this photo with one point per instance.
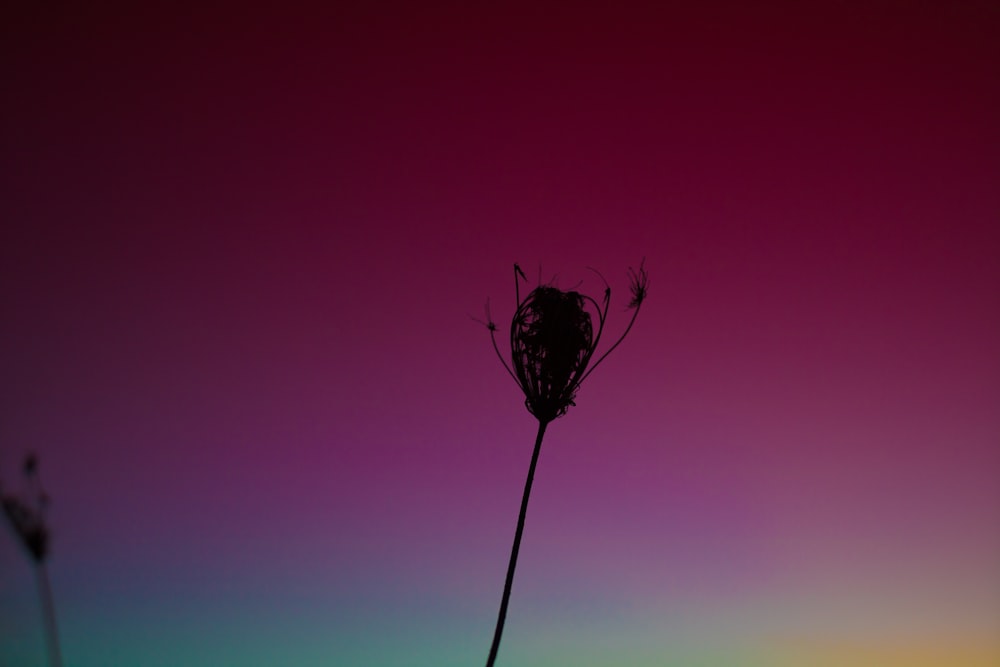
(28, 523)
(552, 341)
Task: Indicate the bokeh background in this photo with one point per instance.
(241, 255)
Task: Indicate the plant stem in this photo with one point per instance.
(517, 545)
(49, 613)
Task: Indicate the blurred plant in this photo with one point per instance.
(27, 519)
(552, 342)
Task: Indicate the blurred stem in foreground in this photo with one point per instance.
(28, 522)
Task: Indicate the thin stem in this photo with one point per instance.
(49, 614)
(517, 545)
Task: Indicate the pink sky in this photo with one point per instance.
(238, 259)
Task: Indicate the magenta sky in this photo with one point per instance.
(238, 257)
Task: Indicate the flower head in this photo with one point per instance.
(553, 338)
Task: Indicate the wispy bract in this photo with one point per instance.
(553, 340)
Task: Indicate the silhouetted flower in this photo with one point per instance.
(553, 339)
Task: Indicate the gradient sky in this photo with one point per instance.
(238, 259)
